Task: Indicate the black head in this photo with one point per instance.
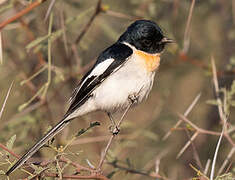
(146, 36)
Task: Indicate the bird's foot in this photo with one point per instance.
(114, 129)
(133, 98)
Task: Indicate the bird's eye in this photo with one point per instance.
(147, 42)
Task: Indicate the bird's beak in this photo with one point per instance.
(166, 40)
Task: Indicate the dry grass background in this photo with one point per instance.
(202, 29)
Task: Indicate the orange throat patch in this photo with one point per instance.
(151, 61)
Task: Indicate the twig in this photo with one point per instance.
(216, 84)
(222, 116)
(216, 153)
(95, 176)
(1, 51)
(32, 38)
(43, 90)
(83, 32)
(62, 23)
(93, 173)
(203, 131)
(52, 3)
(187, 145)
(24, 112)
(34, 75)
(175, 9)
(10, 151)
(200, 63)
(86, 140)
(49, 56)
(86, 27)
(226, 161)
(103, 155)
(135, 171)
(187, 29)
(76, 165)
(36, 175)
(196, 62)
(157, 164)
(21, 13)
(5, 100)
(77, 58)
(21, 107)
(121, 15)
(229, 167)
(207, 166)
(199, 173)
(33, 89)
(186, 113)
(195, 153)
(233, 10)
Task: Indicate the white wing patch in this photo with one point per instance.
(98, 70)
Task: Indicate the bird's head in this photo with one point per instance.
(145, 35)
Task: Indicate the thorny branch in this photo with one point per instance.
(204, 131)
(9, 151)
(182, 57)
(21, 13)
(86, 27)
(103, 155)
(93, 173)
(199, 130)
(135, 171)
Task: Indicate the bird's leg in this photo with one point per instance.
(111, 138)
(113, 128)
(133, 98)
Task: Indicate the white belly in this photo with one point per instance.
(132, 79)
(113, 93)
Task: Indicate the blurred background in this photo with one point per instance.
(45, 68)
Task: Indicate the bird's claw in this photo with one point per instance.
(114, 129)
(133, 98)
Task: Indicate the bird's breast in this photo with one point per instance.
(151, 61)
(131, 79)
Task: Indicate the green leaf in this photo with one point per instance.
(232, 103)
(10, 142)
(82, 131)
(41, 40)
(36, 42)
(37, 168)
(189, 127)
(5, 7)
(58, 33)
(2, 172)
(233, 88)
(93, 124)
(212, 102)
(225, 177)
(110, 175)
(151, 135)
(232, 59)
(128, 162)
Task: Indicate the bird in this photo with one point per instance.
(123, 74)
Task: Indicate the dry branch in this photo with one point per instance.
(21, 13)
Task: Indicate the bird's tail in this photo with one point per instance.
(51, 133)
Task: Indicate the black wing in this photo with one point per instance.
(120, 53)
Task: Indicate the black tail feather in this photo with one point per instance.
(51, 133)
